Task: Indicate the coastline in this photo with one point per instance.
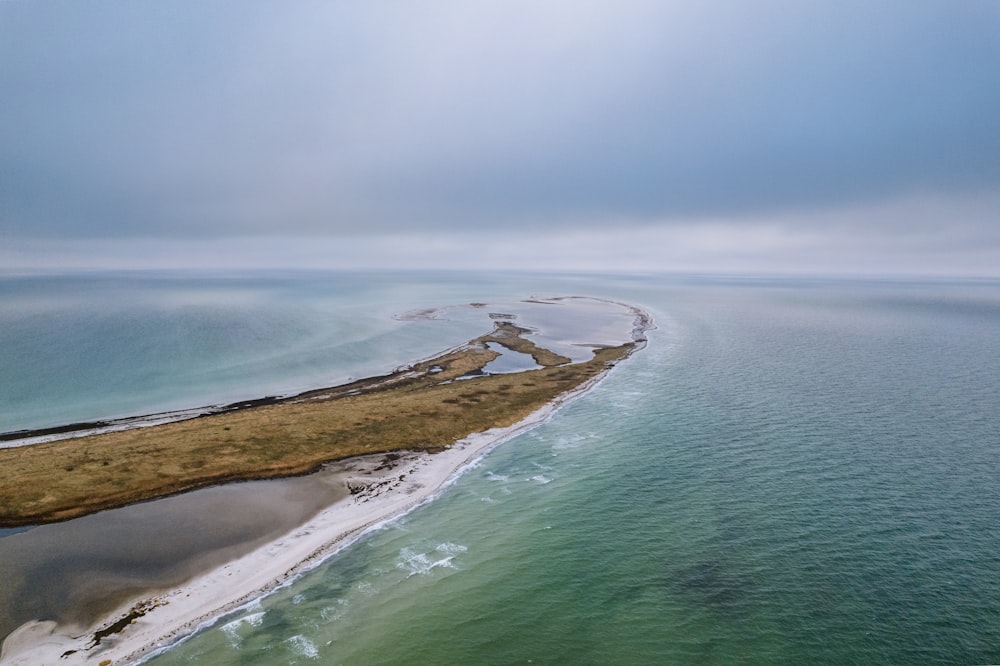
(151, 623)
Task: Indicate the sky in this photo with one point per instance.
(843, 137)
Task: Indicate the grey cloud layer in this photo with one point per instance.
(193, 118)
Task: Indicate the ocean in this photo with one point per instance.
(793, 471)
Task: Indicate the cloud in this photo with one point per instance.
(915, 236)
(225, 119)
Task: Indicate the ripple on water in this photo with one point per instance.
(232, 629)
(416, 563)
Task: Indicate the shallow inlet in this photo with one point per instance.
(508, 361)
(74, 572)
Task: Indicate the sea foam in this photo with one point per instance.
(303, 647)
(417, 563)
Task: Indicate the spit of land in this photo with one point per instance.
(407, 433)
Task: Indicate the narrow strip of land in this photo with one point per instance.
(424, 407)
(424, 422)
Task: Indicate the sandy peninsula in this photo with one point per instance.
(382, 486)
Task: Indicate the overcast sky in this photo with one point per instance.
(775, 136)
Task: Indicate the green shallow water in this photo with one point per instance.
(791, 472)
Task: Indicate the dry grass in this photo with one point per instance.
(416, 408)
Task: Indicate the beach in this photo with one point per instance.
(382, 488)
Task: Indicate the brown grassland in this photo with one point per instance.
(421, 407)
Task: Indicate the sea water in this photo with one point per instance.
(93, 347)
(793, 471)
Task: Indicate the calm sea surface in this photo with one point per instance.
(793, 471)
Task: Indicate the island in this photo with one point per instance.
(399, 437)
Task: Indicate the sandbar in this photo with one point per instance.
(382, 488)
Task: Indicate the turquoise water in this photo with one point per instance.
(83, 348)
(792, 472)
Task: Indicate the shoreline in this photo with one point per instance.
(419, 406)
(45, 434)
(151, 622)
